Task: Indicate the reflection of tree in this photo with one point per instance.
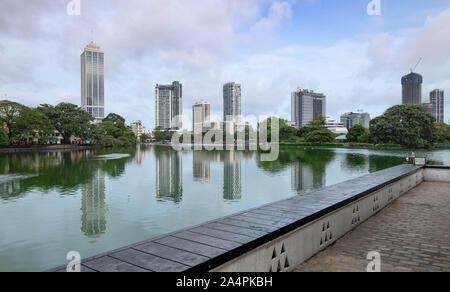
(316, 158)
(307, 166)
(232, 185)
(378, 162)
(355, 161)
(63, 171)
(93, 221)
(169, 180)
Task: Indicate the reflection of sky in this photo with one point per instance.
(38, 228)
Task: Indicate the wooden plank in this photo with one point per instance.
(170, 253)
(222, 234)
(148, 261)
(194, 247)
(109, 264)
(208, 240)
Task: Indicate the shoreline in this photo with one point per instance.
(45, 148)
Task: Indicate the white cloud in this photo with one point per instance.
(204, 46)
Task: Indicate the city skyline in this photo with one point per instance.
(361, 61)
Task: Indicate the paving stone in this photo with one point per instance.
(412, 234)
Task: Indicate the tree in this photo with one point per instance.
(9, 113)
(69, 120)
(161, 134)
(144, 137)
(318, 136)
(407, 125)
(116, 119)
(318, 122)
(357, 133)
(4, 141)
(31, 122)
(112, 132)
(442, 132)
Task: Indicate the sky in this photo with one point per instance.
(270, 47)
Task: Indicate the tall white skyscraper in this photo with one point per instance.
(232, 102)
(169, 106)
(92, 81)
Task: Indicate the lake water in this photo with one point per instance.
(94, 201)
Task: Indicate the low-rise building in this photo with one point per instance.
(336, 128)
(350, 119)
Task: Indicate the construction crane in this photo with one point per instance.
(420, 60)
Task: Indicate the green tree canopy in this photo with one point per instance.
(9, 114)
(286, 132)
(319, 136)
(407, 125)
(357, 133)
(31, 122)
(442, 132)
(144, 137)
(4, 141)
(69, 120)
(161, 134)
(112, 132)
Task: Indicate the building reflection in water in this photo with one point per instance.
(304, 177)
(169, 170)
(202, 164)
(141, 152)
(232, 184)
(93, 219)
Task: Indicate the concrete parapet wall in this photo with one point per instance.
(288, 251)
(437, 174)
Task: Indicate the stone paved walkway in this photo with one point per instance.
(411, 234)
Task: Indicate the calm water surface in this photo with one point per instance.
(95, 201)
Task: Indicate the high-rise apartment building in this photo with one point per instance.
(168, 106)
(201, 112)
(92, 81)
(232, 102)
(137, 128)
(437, 100)
(351, 119)
(306, 105)
(412, 88)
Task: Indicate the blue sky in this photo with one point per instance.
(270, 47)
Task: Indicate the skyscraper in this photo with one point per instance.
(92, 81)
(437, 100)
(232, 102)
(306, 105)
(412, 88)
(168, 106)
(201, 111)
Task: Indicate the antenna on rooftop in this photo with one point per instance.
(413, 69)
